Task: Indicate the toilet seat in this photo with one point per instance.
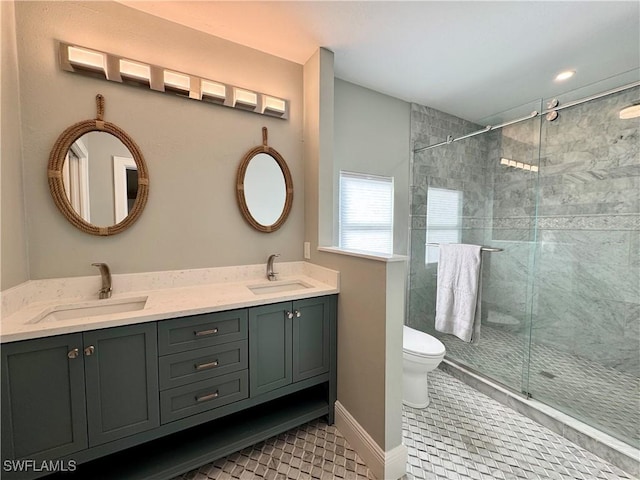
(421, 344)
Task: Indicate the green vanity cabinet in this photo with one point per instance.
(121, 373)
(289, 342)
(311, 337)
(203, 363)
(65, 393)
(43, 398)
(270, 348)
(149, 401)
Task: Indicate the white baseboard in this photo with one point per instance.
(389, 465)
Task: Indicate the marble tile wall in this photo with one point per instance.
(458, 166)
(587, 276)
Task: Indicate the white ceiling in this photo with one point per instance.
(472, 59)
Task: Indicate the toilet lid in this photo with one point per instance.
(420, 343)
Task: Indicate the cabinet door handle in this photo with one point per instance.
(297, 313)
(89, 350)
(289, 315)
(203, 333)
(73, 353)
(209, 396)
(204, 366)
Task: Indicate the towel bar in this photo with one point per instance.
(483, 249)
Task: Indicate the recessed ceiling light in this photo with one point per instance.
(632, 111)
(565, 75)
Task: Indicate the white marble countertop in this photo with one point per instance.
(168, 295)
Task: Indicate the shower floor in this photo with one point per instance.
(582, 388)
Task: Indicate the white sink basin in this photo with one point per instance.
(90, 309)
(274, 287)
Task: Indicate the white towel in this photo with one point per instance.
(458, 292)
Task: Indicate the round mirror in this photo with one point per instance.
(98, 177)
(264, 188)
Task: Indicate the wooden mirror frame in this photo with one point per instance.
(56, 162)
(288, 182)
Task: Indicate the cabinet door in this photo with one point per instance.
(311, 337)
(43, 398)
(269, 348)
(122, 381)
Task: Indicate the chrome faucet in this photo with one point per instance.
(105, 291)
(271, 275)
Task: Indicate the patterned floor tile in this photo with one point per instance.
(462, 435)
(558, 378)
(313, 451)
(468, 435)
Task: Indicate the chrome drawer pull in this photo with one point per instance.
(202, 333)
(204, 366)
(204, 398)
(73, 353)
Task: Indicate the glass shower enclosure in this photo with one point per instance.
(561, 301)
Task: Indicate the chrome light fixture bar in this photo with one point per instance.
(107, 66)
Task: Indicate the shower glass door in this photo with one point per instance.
(480, 190)
(585, 337)
(561, 301)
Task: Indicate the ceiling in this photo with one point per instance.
(471, 59)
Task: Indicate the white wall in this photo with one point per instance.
(371, 301)
(372, 134)
(192, 149)
(14, 266)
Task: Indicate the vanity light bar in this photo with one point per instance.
(524, 166)
(245, 99)
(138, 72)
(213, 91)
(177, 82)
(86, 61)
(275, 105)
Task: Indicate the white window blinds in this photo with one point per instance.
(444, 219)
(366, 212)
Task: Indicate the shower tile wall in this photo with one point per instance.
(507, 275)
(460, 167)
(588, 271)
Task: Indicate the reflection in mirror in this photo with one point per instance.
(264, 189)
(96, 176)
(125, 183)
(75, 175)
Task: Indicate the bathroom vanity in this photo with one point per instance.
(149, 399)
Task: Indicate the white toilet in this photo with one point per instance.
(421, 353)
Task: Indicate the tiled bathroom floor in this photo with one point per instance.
(590, 391)
(313, 451)
(463, 434)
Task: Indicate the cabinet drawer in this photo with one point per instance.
(201, 364)
(199, 397)
(190, 333)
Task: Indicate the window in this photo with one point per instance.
(444, 219)
(366, 212)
